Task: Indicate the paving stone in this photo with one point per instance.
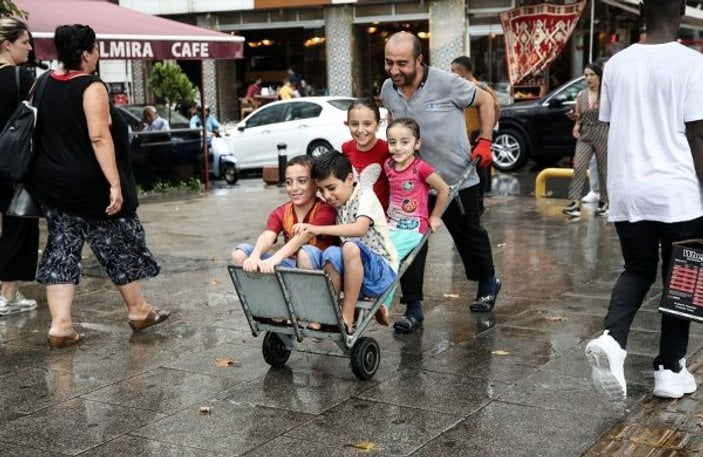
(74, 426)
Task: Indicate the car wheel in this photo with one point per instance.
(509, 150)
(318, 147)
(230, 173)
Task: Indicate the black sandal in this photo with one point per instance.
(407, 324)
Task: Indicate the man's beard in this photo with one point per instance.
(408, 79)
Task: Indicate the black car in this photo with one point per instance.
(174, 155)
(537, 130)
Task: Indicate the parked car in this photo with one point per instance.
(537, 130)
(308, 125)
(173, 155)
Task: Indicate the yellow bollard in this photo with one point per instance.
(541, 180)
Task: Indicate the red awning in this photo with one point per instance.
(127, 34)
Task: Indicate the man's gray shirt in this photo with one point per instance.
(438, 108)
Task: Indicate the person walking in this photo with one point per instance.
(82, 178)
(463, 66)
(652, 97)
(591, 138)
(436, 100)
(19, 242)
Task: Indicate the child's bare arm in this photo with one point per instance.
(290, 248)
(356, 228)
(438, 184)
(263, 244)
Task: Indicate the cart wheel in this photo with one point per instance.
(275, 352)
(365, 358)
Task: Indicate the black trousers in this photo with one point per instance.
(19, 243)
(470, 239)
(640, 243)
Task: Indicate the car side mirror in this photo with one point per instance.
(241, 127)
(556, 102)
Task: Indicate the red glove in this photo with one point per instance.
(483, 151)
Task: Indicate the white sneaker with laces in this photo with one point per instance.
(668, 384)
(607, 360)
(19, 304)
(591, 197)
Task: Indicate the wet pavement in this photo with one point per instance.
(510, 383)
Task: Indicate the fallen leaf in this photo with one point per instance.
(215, 282)
(500, 245)
(365, 445)
(451, 295)
(499, 352)
(215, 258)
(225, 362)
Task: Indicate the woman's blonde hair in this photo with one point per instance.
(11, 29)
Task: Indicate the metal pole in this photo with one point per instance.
(590, 41)
(282, 160)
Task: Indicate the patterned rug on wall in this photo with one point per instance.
(536, 34)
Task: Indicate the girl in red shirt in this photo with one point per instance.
(363, 120)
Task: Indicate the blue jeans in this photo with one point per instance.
(313, 252)
(640, 243)
(378, 274)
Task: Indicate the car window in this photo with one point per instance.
(341, 103)
(175, 119)
(569, 93)
(267, 115)
(303, 110)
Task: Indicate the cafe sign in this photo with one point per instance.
(181, 50)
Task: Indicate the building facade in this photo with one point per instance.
(337, 45)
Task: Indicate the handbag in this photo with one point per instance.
(16, 137)
(22, 204)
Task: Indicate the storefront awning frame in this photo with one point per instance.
(127, 34)
(693, 18)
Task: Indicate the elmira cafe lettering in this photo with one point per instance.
(145, 49)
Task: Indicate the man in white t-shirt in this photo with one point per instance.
(652, 96)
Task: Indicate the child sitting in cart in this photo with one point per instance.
(367, 262)
(303, 250)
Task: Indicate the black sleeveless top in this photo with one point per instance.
(65, 173)
(9, 90)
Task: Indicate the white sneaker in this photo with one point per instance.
(607, 359)
(19, 304)
(591, 197)
(668, 384)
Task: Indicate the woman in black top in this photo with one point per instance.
(20, 236)
(82, 178)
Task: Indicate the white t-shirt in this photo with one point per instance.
(648, 93)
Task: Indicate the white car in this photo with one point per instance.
(307, 125)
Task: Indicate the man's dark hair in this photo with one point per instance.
(331, 164)
(652, 10)
(464, 61)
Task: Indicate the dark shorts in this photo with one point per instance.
(118, 244)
